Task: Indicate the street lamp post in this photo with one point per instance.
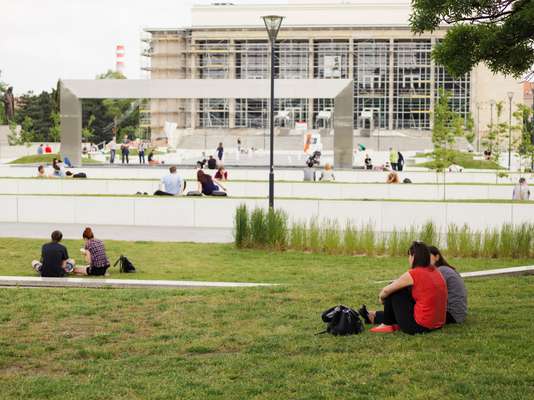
(510, 97)
(272, 24)
(478, 127)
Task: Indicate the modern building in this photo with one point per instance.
(396, 81)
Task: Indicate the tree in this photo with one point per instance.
(525, 127)
(448, 126)
(496, 134)
(109, 113)
(499, 33)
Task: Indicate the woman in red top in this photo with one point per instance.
(416, 302)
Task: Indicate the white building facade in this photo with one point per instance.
(396, 82)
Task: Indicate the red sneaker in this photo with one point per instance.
(385, 328)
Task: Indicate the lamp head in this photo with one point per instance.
(272, 24)
(510, 95)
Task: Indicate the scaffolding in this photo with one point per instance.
(395, 78)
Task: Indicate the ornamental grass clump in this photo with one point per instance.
(258, 228)
(242, 227)
(298, 236)
(331, 237)
(277, 229)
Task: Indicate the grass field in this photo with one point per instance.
(47, 159)
(463, 159)
(254, 342)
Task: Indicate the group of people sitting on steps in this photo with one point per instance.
(426, 297)
(55, 261)
(173, 184)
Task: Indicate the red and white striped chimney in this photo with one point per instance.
(119, 57)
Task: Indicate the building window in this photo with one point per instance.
(291, 59)
(252, 59)
(213, 113)
(371, 81)
(212, 58)
(331, 59)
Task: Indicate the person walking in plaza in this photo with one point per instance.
(125, 149)
(95, 256)
(416, 302)
(141, 152)
(55, 261)
(112, 149)
(456, 291)
(171, 184)
(521, 190)
(393, 158)
(220, 151)
(400, 161)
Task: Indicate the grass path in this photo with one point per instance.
(255, 343)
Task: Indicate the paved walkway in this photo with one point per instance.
(117, 232)
(28, 281)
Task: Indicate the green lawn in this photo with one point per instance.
(47, 159)
(463, 159)
(253, 342)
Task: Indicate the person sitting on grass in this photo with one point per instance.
(41, 173)
(95, 255)
(55, 261)
(456, 291)
(206, 185)
(151, 159)
(416, 302)
(212, 163)
(221, 174)
(328, 174)
(393, 177)
(171, 183)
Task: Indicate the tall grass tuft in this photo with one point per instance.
(381, 244)
(393, 243)
(350, 239)
(314, 235)
(490, 246)
(506, 241)
(258, 227)
(465, 241)
(298, 236)
(241, 227)
(429, 234)
(331, 237)
(277, 229)
(453, 246)
(368, 240)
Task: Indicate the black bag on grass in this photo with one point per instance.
(124, 265)
(342, 321)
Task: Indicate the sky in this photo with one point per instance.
(44, 40)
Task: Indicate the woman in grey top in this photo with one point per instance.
(457, 293)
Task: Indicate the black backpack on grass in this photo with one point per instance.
(342, 320)
(124, 265)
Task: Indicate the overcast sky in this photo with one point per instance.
(44, 40)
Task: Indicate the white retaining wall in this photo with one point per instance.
(260, 189)
(280, 174)
(219, 212)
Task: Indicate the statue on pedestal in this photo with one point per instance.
(9, 104)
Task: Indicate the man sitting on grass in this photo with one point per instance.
(55, 262)
(172, 184)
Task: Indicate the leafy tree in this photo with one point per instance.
(39, 110)
(448, 126)
(524, 145)
(110, 113)
(499, 33)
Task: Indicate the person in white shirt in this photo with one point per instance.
(112, 150)
(521, 190)
(171, 185)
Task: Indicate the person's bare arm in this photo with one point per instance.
(219, 183)
(401, 282)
